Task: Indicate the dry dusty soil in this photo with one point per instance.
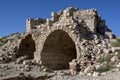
(12, 71)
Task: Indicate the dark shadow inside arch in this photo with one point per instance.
(58, 50)
(26, 47)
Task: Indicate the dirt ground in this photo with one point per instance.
(11, 71)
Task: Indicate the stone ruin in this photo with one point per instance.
(71, 39)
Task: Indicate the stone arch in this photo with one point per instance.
(26, 47)
(58, 50)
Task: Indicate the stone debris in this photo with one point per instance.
(73, 72)
(117, 67)
(60, 73)
(103, 73)
(82, 73)
(89, 69)
(27, 62)
(95, 74)
(21, 59)
(115, 59)
(74, 67)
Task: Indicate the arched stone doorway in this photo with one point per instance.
(58, 50)
(26, 47)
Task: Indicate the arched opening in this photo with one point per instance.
(58, 50)
(26, 47)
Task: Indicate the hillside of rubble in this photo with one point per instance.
(35, 72)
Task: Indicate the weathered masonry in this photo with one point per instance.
(70, 35)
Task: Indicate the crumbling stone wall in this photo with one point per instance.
(32, 23)
(79, 30)
(79, 25)
(26, 47)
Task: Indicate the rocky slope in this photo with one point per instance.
(8, 47)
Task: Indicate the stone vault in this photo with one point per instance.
(58, 50)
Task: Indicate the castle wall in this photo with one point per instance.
(82, 28)
(32, 23)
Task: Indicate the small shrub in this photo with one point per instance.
(116, 43)
(3, 41)
(105, 67)
(106, 58)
